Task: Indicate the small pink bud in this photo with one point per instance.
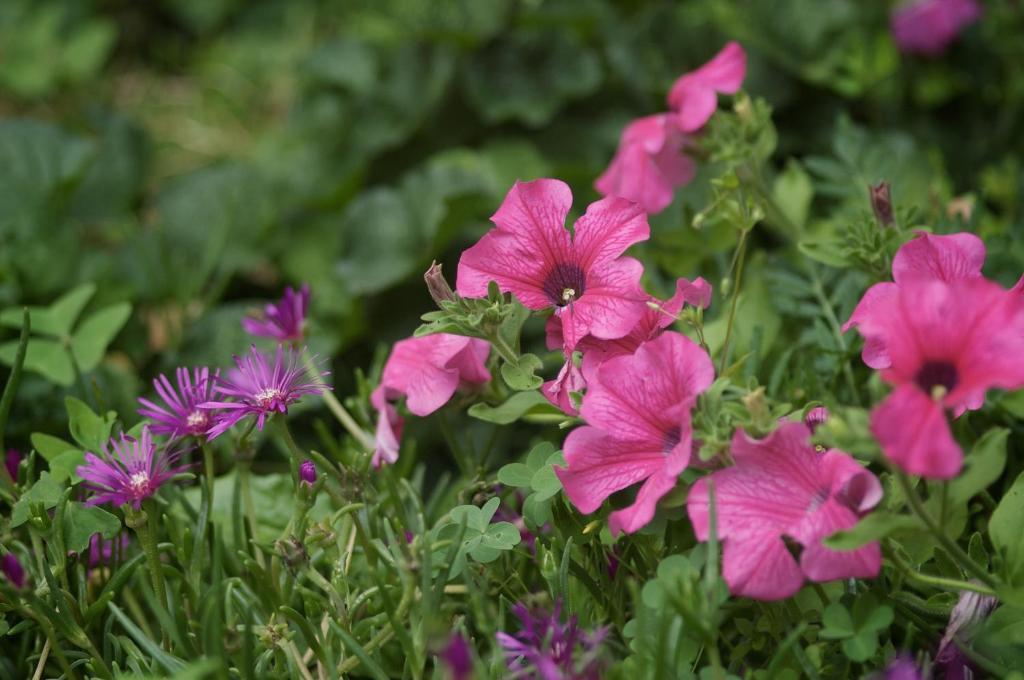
(307, 472)
(438, 287)
(815, 417)
(881, 203)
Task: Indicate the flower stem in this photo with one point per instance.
(737, 266)
(209, 469)
(935, 581)
(955, 551)
(139, 521)
(297, 456)
(343, 416)
(837, 330)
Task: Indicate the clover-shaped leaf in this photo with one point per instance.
(480, 539)
(858, 629)
(536, 475)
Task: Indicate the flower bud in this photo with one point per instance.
(438, 287)
(881, 203)
(307, 472)
(13, 570)
(815, 417)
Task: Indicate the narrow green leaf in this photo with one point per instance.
(11, 388)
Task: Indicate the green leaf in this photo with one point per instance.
(826, 251)
(545, 482)
(518, 405)
(982, 467)
(46, 357)
(57, 319)
(48, 446)
(82, 521)
(861, 647)
(1005, 531)
(521, 375)
(875, 526)
(91, 338)
(516, 474)
(46, 491)
(90, 430)
(793, 192)
(64, 466)
(837, 622)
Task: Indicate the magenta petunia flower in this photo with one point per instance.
(781, 486)
(180, 415)
(636, 435)
(582, 275)
(947, 344)
(658, 315)
(261, 387)
(649, 164)
(128, 470)
(929, 27)
(284, 320)
(926, 257)
(427, 371)
(694, 96)
(11, 567)
(307, 472)
(552, 650)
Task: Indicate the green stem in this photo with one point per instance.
(737, 266)
(939, 582)
(244, 479)
(343, 416)
(147, 537)
(11, 388)
(837, 330)
(297, 455)
(955, 551)
(382, 637)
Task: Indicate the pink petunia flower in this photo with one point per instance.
(582, 275)
(427, 371)
(928, 27)
(658, 315)
(926, 257)
(260, 387)
(638, 412)
(649, 164)
(947, 344)
(284, 320)
(694, 96)
(780, 486)
(128, 470)
(180, 415)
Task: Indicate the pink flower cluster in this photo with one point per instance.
(942, 335)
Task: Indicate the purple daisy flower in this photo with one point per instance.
(261, 387)
(548, 647)
(284, 320)
(128, 470)
(180, 415)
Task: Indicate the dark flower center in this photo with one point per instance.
(671, 439)
(937, 378)
(565, 282)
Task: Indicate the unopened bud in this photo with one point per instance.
(307, 472)
(881, 203)
(438, 287)
(815, 417)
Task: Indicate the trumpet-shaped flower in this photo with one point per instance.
(928, 27)
(128, 470)
(947, 344)
(260, 386)
(427, 371)
(649, 164)
(180, 414)
(284, 320)
(637, 409)
(582, 275)
(694, 96)
(780, 486)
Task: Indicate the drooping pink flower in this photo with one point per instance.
(947, 345)
(929, 27)
(925, 257)
(128, 470)
(582, 275)
(637, 409)
(658, 315)
(260, 386)
(180, 415)
(650, 163)
(284, 320)
(781, 486)
(552, 650)
(427, 371)
(694, 96)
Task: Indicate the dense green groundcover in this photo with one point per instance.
(167, 167)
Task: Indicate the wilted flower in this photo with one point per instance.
(180, 414)
(284, 320)
(12, 569)
(881, 203)
(261, 387)
(437, 285)
(128, 470)
(550, 649)
(636, 435)
(694, 96)
(582, 275)
(457, 659)
(780, 486)
(970, 610)
(307, 472)
(928, 27)
(11, 461)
